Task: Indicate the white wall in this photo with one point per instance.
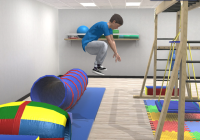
(134, 54)
(28, 46)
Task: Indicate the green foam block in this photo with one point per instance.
(115, 31)
(128, 36)
(151, 109)
(196, 135)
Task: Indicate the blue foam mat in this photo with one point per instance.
(193, 126)
(81, 129)
(87, 107)
(190, 107)
(17, 137)
(150, 102)
(84, 112)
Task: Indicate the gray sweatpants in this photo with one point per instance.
(98, 48)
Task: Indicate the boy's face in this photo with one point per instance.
(115, 25)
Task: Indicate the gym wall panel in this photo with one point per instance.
(28, 46)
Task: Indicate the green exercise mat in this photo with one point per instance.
(128, 36)
(114, 36)
(115, 31)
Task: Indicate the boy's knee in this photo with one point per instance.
(105, 46)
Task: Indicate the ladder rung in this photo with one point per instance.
(164, 59)
(168, 48)
(192, 119)
(192, 81)
(162, 80)
(165, 38)
(163, 70)
(173, 38)
(193, 41)
(189, 61)
(192, 100)
(165, 49)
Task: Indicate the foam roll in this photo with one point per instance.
(63, 92)
(47, 122)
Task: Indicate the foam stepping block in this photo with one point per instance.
(35, 118)
(190, 107)
(149, 90)
(18, 137)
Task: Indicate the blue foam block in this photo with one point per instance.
(150, 102)
(174, 41)
(87, 107)
(157, 87)
(190, 107)
(193, 126)
(17, 137)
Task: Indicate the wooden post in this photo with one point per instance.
(180, 51)
(181, 105)
(176, 83)
(188, 88)
(168, 94)
(155, 56)
(177, 31)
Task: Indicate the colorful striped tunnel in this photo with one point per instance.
(45, 121)
(63, 92)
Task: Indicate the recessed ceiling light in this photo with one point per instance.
(88, 4)
(133, 4)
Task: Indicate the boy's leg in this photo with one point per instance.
(98, 48)
(101, 57)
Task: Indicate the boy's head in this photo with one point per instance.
(116, 21)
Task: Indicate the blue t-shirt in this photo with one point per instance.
(95, 32)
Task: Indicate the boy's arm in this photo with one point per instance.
(111, 42)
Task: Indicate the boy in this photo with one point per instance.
(91, 44)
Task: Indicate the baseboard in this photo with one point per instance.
(24, 97)
(107, 76)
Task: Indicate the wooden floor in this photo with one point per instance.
(120, 116)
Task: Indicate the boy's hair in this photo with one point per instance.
(117, 18)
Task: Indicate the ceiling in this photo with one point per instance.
(100, 4)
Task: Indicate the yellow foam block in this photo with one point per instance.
(12, 104)
(155, 116)
(166, 135)
(43, 114)
(146, 92)
(173, 135)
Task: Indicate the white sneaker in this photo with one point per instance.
(101, 68)
(96, 71)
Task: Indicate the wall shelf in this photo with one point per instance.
(105, 39)
(76, 34)
(113, 34)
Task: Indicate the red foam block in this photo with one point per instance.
(150, 91)
(168, 126)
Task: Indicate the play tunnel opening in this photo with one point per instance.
(49, 90)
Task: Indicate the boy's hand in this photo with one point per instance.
(117, 57)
